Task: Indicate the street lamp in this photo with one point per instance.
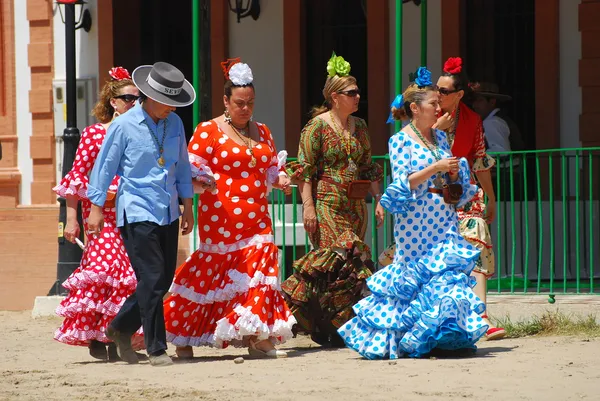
(85, 18)
(69, 255)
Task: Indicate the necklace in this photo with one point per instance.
(245, 138)
(348, 145)
(433, 147)
(160, 144)
(452, 132)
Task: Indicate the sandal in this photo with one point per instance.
(260, 354)
(494, 333)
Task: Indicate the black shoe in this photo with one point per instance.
(113, 355)
(98, 350)
(123, 343)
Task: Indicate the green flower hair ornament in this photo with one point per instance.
(338, 66)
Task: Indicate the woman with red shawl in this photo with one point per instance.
(466, 137)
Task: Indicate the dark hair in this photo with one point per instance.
(230, 86)
(461, 82)
(103, 110)
(412, 94)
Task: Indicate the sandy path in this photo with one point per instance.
(35, 367)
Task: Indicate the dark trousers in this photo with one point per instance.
(152, 250)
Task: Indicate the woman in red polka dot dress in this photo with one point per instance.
(104, 279)
(228, 291)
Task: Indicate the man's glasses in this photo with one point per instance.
(446, 92)
(351, 92)
(128, 98)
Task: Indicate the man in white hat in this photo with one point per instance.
(146, 147)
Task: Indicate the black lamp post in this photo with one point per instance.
(69, 255)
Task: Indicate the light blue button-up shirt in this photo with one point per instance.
(147, 192)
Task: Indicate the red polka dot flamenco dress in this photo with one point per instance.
(104, 279)
(229, 287)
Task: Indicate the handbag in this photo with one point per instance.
(452, 193)
(111, 199)
(358, 189)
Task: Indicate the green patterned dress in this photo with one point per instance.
(328, 280)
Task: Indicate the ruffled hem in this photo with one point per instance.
(220, 326)
(241, 283)
(335, 276)
(71, 308)
(419, 305)
(464, 178)
(79, 337)
(250, 324)
(74, 184)
(398, 197)
(86, 277)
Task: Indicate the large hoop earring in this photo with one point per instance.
(116, 114)
(227, 116)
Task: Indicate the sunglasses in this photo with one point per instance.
(127, 98)
(351, 92)
(446, 92)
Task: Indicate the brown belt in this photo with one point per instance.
(436, 191)
(331, 181)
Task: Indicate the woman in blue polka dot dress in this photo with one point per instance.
(423, 300)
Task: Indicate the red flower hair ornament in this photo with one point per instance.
(119, 73)
(453, 65)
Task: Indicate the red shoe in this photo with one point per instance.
(494, 333)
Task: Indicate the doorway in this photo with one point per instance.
(500, 48)
(162, 31)
(340, 26)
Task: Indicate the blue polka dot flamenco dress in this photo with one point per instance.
(423, 301)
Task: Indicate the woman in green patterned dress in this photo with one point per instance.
(334, 151)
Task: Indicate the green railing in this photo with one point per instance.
(546, 232)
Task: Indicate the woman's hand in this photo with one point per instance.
(95, 220)
(310, 218)
(444, 122)
(449, 165)
(72, 230)
(283, 183)
(379, 214)
(490, 211)
(204, 183)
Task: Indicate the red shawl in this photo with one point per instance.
(468, 138)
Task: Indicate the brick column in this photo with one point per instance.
(10, 177)
(589, 72)
(41, 62)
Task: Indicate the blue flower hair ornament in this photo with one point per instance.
(422, 77)
(397, 103)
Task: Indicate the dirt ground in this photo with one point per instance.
(35, 367)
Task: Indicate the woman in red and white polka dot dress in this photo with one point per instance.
(104, 279)
(228, 291)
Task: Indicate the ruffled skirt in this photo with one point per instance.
(97, 288)
(326, 283)
(420, 305)
(221, 294)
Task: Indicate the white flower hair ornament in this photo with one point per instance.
(241, 74)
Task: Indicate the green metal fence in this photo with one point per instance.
(547, 229)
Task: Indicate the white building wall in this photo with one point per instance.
(570, 91)
(411, 41)
(260, 44)
(23, 86)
